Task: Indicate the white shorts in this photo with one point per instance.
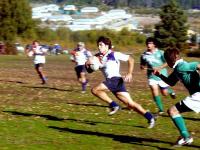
(160, 83)
(193, 102)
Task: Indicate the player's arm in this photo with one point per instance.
(142, 63)
(129, 75)
(198, 67)
(160, 67)
(170, 80)
(72, 57)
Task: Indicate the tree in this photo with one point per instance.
(172, 29)
(16, 20)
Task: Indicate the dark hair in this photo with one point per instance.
(35, 41)
(105, 40)
(152, 39)
(171, 54)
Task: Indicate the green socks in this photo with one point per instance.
(180, 124)
(170, 91)
(158, 102)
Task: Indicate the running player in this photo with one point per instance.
(187, 73)
(114, 82)
(39, 60)
(153, 59)
(80, 55)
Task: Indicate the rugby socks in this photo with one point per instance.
(180, 124)
(148, 116)
(170, 91)
(113, 104)
(84, 85)
(158, 102)
(44, 80)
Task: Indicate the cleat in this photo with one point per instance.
(83, 92)
(152, 123)
(182, 141)
(44, 82)
(173, 95)
(161, 112)
(113, 110)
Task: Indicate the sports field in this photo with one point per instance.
(57, 116)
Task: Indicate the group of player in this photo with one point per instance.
(154, 61)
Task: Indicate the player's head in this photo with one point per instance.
(104, 44)
(35, 43)
(171, 56)
(151, 43)
(80, 45)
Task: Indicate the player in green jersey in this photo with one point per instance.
(188, 74)
(153, 59)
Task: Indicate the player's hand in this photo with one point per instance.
(128, 77)
(156, 72)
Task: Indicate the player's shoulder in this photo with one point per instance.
(73, 52)
(160, 51)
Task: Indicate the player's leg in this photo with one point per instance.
(190, 103)
(100, 92)
(81, 76)
(127, 100)
(39, 69)
(166, 90)
(83, 81)
(156, 97)
(179, 121)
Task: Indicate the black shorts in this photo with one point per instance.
(181, 107)
(39, 65)
(79, 69)
(115, 84)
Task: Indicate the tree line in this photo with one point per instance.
(17, 24)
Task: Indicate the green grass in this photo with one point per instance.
(58, 117)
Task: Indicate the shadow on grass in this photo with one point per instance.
(120, 138)
(50, 88)
(53, 118)
(11, 81)
(96, 105)
(187, 118)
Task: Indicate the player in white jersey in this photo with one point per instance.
(153, 59)
(114, 82)
(79, 56)
(39, 60)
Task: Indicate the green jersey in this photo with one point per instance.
(152, 60)
(187, 73)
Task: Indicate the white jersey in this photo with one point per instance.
(111, 63)
(39, 55)
(80, 56)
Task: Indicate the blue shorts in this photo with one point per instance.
(39, 65)
(79, 69)
(115, 84)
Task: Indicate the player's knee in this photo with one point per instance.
(172, 111)
(94, 91)
(164, 94)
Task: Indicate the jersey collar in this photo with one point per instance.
(177, 62)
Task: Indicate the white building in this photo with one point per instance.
(69, 8)
(79, 27)
(40, 15)
(46, 8)
(89, 10)
(64, 18)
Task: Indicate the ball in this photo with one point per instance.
(93, 64)
(30, 54)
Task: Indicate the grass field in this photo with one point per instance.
(57, 116)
